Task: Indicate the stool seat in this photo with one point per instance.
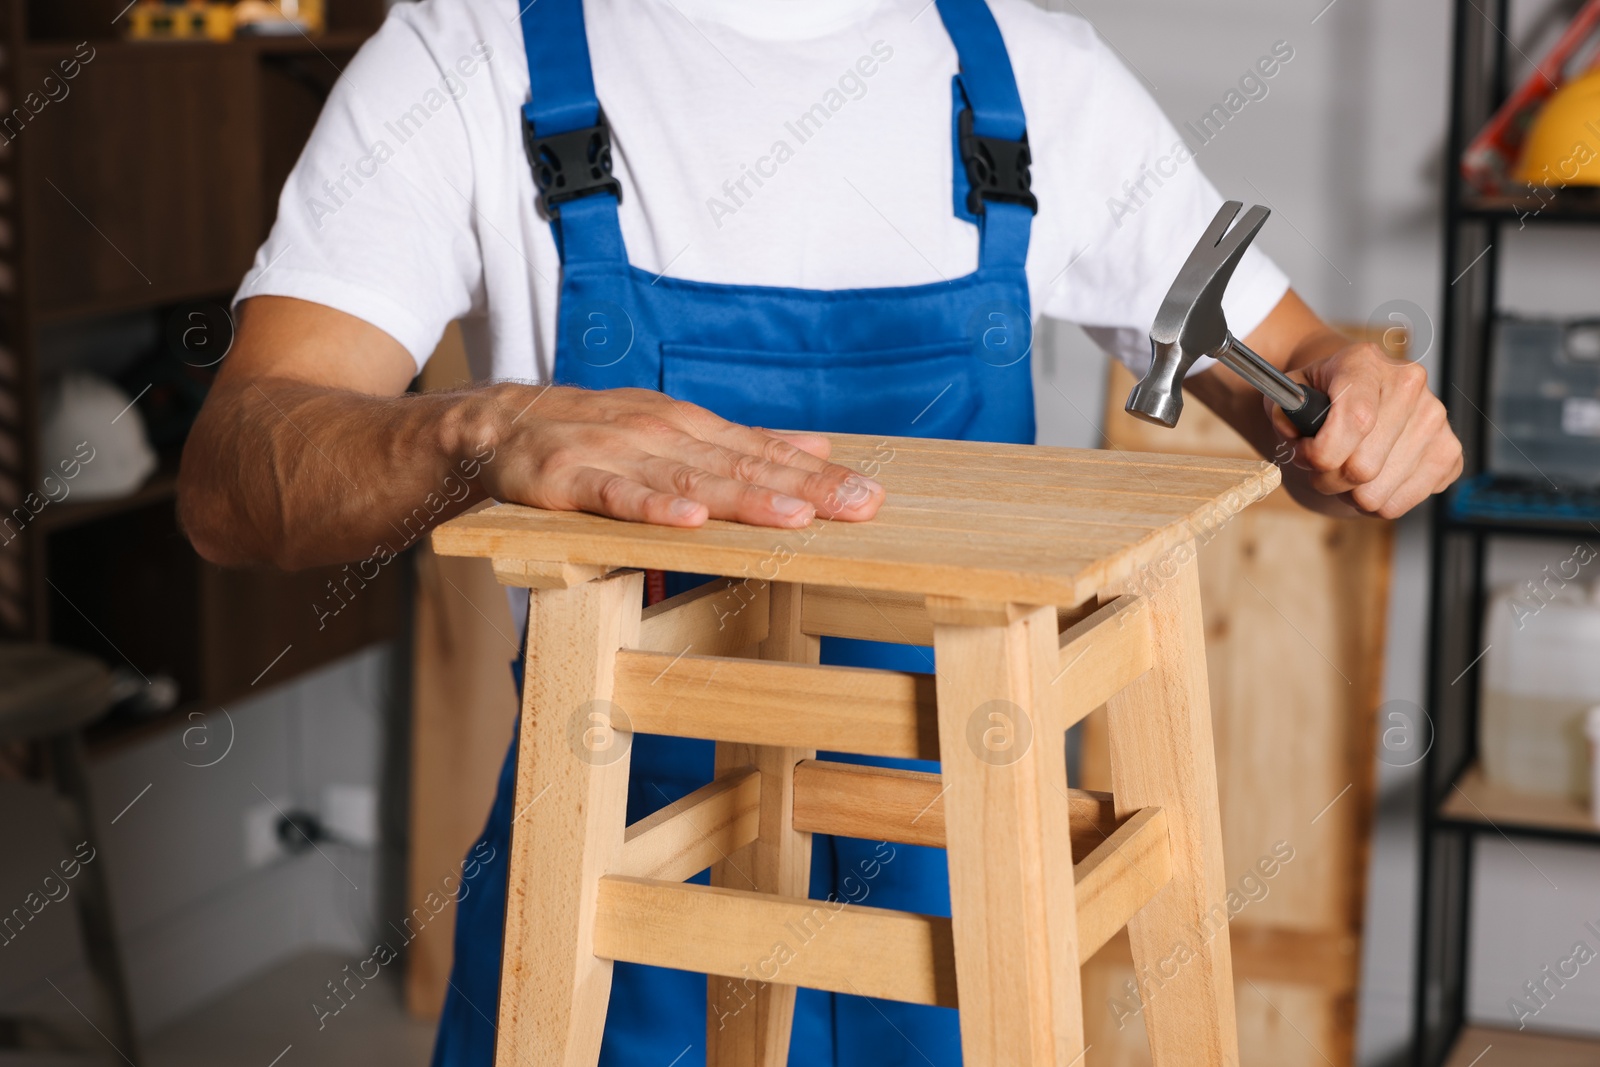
(1017, 523)
(1050, 582)
(47, 690)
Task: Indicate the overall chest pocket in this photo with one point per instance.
(926, 391)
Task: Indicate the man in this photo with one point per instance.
(806, 223)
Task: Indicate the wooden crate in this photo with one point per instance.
(463, 706)
(1295, 606)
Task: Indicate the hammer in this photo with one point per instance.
(1190, 325)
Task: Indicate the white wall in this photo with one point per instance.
(193, 917)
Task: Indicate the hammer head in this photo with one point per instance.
(1190, 323)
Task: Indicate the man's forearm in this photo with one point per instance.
(293, 474)
(308, 451)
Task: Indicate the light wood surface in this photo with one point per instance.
(756, 937)
(463, 708)
(664, 923)
(1024, 524)
(1482, 1046)
(1047, 587)
(1119, 877)
(1162, 756)
(907, 807)
(867, 615)
(750, 1027)
(682, 839)
(855, 709)
(543, 574)
(862, 710)
(874, 615)
(1012, 905)
(713, 619)
(1295, 606)
(1475, 799)
(1328, 962)
(568, 830)
(1100, 655)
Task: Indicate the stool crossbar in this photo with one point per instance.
(1049, 582)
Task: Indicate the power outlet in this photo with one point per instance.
(350, 814)
(262, 845)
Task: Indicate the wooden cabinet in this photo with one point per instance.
(143, 184)
(136, 177)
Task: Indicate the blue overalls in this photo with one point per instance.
(947, 359)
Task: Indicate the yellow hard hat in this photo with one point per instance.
(1563, 145)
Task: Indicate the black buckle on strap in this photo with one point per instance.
(570, 165)
(996, 170)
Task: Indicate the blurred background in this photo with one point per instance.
(219, 790)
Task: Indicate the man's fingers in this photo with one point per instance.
(1399, 466)
(725, 497)
(1433, 475)
(835, 492)
(813, 444)
(1396, 421)
(620, 497)
(637, 455)
(1354, 415)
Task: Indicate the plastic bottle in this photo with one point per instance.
(1541, 677)
(1594, 763)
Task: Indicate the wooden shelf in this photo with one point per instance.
(333, 41)
(162, 485)
(1481, 1046)
(218, 291)
(1579, 208)
(1475, 800)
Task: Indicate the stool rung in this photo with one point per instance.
(866, 615)
(1101, 654)
(876, 952)
(874, 615)
(757, 937)
(720, 618)
(786, 705)
(1120, 877)
(906, 807)
(685, 838)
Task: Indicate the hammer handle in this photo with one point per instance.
(1305, 405)
(1308, 417)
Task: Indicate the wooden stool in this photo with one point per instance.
(1049, 581)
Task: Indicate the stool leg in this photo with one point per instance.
(1013, 912)
(571, 809)
(1159, 731)
(100, 943)
(748, 1022)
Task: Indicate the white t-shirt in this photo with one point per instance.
(413, 204)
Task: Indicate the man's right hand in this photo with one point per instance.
(309, 450)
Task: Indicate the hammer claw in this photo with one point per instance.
(1191, 324)
(1215, 232)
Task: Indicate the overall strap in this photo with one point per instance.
(568, 140)
(991, 137)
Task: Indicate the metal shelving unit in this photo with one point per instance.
(1457, 804)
